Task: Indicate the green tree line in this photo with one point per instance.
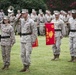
(38, 4)
(22, 4)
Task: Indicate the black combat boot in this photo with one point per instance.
(72, 59)
(55, 56)
(26, 68)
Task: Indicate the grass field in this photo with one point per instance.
(41, 63)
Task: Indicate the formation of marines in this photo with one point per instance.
(28, 26)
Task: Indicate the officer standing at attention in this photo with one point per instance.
(1, 15)
(28, 37)
(34, 17)
(17, 27)
(72, 36)
(7, 41)
(41, 23)
(48, 16)
(12, 20)
(59, 33)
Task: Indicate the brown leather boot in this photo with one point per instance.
(54, 57)
(26, 68)
(72, 59)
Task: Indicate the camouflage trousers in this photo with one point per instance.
(56, 46)
(26, 49)
(73, 46)
(6, 54)
(67, 30)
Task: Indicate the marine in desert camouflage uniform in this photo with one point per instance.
(7, 41)
(28, 37)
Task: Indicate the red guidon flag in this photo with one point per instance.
(50, 37)
(35, 44)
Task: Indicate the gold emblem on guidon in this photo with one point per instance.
(50, 34)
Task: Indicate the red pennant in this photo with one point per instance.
(50, 37)
(35, 44)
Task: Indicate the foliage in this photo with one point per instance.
(61, 4)
(38, 4)
(20, 4)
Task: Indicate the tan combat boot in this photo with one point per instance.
(54, 57)
(57, 57)
(25, 69)
(72, 59)
(3, 67)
